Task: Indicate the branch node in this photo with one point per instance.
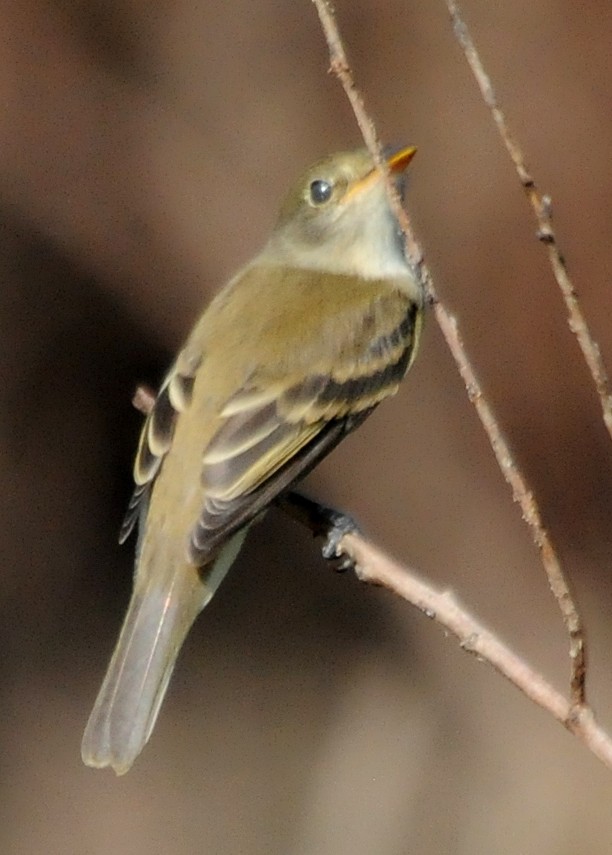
(470, 643)
(338, 66)
(541, 206)
(578, 714)
(545, 235)
(431, 298)
(546, 207)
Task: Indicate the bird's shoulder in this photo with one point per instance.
(280, 317)
(302, 345)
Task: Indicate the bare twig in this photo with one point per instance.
(339, 66)
(143, 400)
(542, 208)
(376, 568)
(531, 514)
(520, 490)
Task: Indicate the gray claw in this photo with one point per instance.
(339, 525)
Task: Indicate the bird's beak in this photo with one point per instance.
(396, 163)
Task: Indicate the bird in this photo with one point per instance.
(293, 353)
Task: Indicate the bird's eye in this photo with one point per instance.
(320, 191)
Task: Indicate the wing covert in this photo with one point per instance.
(156, 436)
(275, 430)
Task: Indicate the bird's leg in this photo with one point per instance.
(322, 521)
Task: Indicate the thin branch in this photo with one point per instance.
(372, 566)
(376, 568)
(520, 490)
(542, 208)
(529, 507)
(143, 400)
(339, 65)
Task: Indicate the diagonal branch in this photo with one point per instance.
(521, 493)
(542, 208)
(374, 567)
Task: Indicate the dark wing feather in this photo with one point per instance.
(156, 436)
(270, 437)
(220, 519)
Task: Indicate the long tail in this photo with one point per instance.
(161, 612)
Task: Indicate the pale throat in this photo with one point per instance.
(372, 249)
(368, 246)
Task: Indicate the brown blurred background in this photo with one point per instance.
(144, 149)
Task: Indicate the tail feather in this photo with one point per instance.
(162, 609)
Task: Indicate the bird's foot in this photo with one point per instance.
(325, 522)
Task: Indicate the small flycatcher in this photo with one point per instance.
(296, 350)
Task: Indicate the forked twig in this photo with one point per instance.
(542, 208)
(339, 65)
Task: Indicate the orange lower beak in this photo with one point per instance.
(396, 163)
(400, 160)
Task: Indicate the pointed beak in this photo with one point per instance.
(396, 164)
(399, 161)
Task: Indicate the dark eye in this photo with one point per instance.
(320, 191)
